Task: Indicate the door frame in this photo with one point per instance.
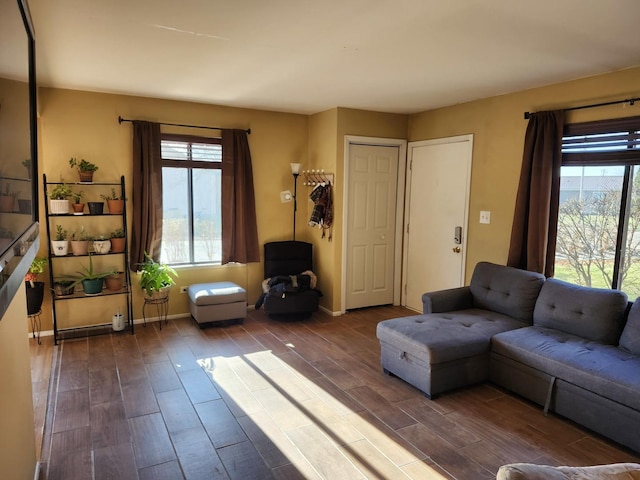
(405, 245)
(400, 202)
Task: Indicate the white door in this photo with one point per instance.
(436, 214)
(371, 229)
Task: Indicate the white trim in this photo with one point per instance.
(402, 168)
(465, 236)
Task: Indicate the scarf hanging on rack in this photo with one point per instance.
(322, 214)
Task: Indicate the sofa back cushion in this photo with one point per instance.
(596, 314)
(630, 338)
(505, 290)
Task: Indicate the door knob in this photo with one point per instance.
(456, 249)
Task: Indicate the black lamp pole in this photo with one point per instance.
(295, 202)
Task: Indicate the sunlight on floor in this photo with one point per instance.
(320, 435)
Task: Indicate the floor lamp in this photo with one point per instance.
(295, 171)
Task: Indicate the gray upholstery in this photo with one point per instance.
(529, 471)
(593, 313)
(602, 369)
(505, 290)
(630, 338)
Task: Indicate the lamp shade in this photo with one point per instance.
(295, 168)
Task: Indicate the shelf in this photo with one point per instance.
(81, 294)
(85, 215)
(90, 254)
(107, 184)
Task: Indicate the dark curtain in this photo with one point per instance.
(147, 192)
(239, 228)
(533, 236)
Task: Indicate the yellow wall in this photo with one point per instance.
(17, 434)
(85, 125)
(498, 127)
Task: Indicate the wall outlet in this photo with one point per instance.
(485, 217)
(183, 289)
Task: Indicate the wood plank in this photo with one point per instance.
(198, 459)
(109, 426)
(243, 462)
(114, 462)
(104, 386)
(165, 471)
(370, 461)
(72, 410)
(221, 425)
(381, 408)
(139, 399)
(163, 377)
(151, 443)
(198, 386)
(177, 411)
(70, 455)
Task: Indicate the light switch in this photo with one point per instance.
(485, 216)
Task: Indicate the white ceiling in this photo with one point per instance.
(307, 56)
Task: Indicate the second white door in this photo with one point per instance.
(371, 213)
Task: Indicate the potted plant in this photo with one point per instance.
(118, 241)
(78, 208)
(59, 198)
(115, 281)
(114, 203)
(35, 288)
(85, 169)
(60, 244)
(101, 244)
(92, 281)
(80, 242)
(63, 288)
(156, 278)
(95, 208)
(26, 163)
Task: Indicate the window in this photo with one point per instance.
(598, 237)
(191, 200)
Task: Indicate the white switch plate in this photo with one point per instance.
(485, 216)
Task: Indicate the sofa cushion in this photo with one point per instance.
(630, 338)
(505, 290)
(603, 369)
(443, 337)
(593, 313)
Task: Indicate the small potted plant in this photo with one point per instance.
(92, 281)
(80, 242)
(114, 202)
(59, 198)
(26, 163)
(101, 244)
(118, 241)
(78, 207)
(95, 208)
(85, 169)
(60, 244)
(35, 288)
(63, 287)
(156, 278)
(115, 281)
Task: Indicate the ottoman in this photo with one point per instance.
(217, 303)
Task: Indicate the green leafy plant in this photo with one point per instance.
(81, 236)
(60, 234)
(77, 196)
(36, 268)
(112, 196)
(101, 238)
(61, 191)
(155, 275)
(87, 273)
(82, 165)
(117, 233)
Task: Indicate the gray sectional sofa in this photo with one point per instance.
(575, 350)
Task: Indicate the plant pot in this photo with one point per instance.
(157, 294)
(86, 177)
(115, 281)
(60, 247)
(24, 205)
(35, 296)
(64, 288)
(6, 203)
(118, 244)
(96, 208)
(116, 207)
(78, 207)
(79, 247)
(93, 286)
(59, 206)
(101, 246)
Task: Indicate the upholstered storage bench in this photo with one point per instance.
(448, 346)
(217, 303)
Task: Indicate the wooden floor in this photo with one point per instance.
(280, 400)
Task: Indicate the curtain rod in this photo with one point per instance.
(630, 101)
(120, 120)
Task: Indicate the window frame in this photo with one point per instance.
(189, 165)
(628, 158)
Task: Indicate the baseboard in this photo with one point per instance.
(329, 312)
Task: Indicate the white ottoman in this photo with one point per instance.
(217, 303)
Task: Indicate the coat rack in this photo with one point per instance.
(317, 177)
